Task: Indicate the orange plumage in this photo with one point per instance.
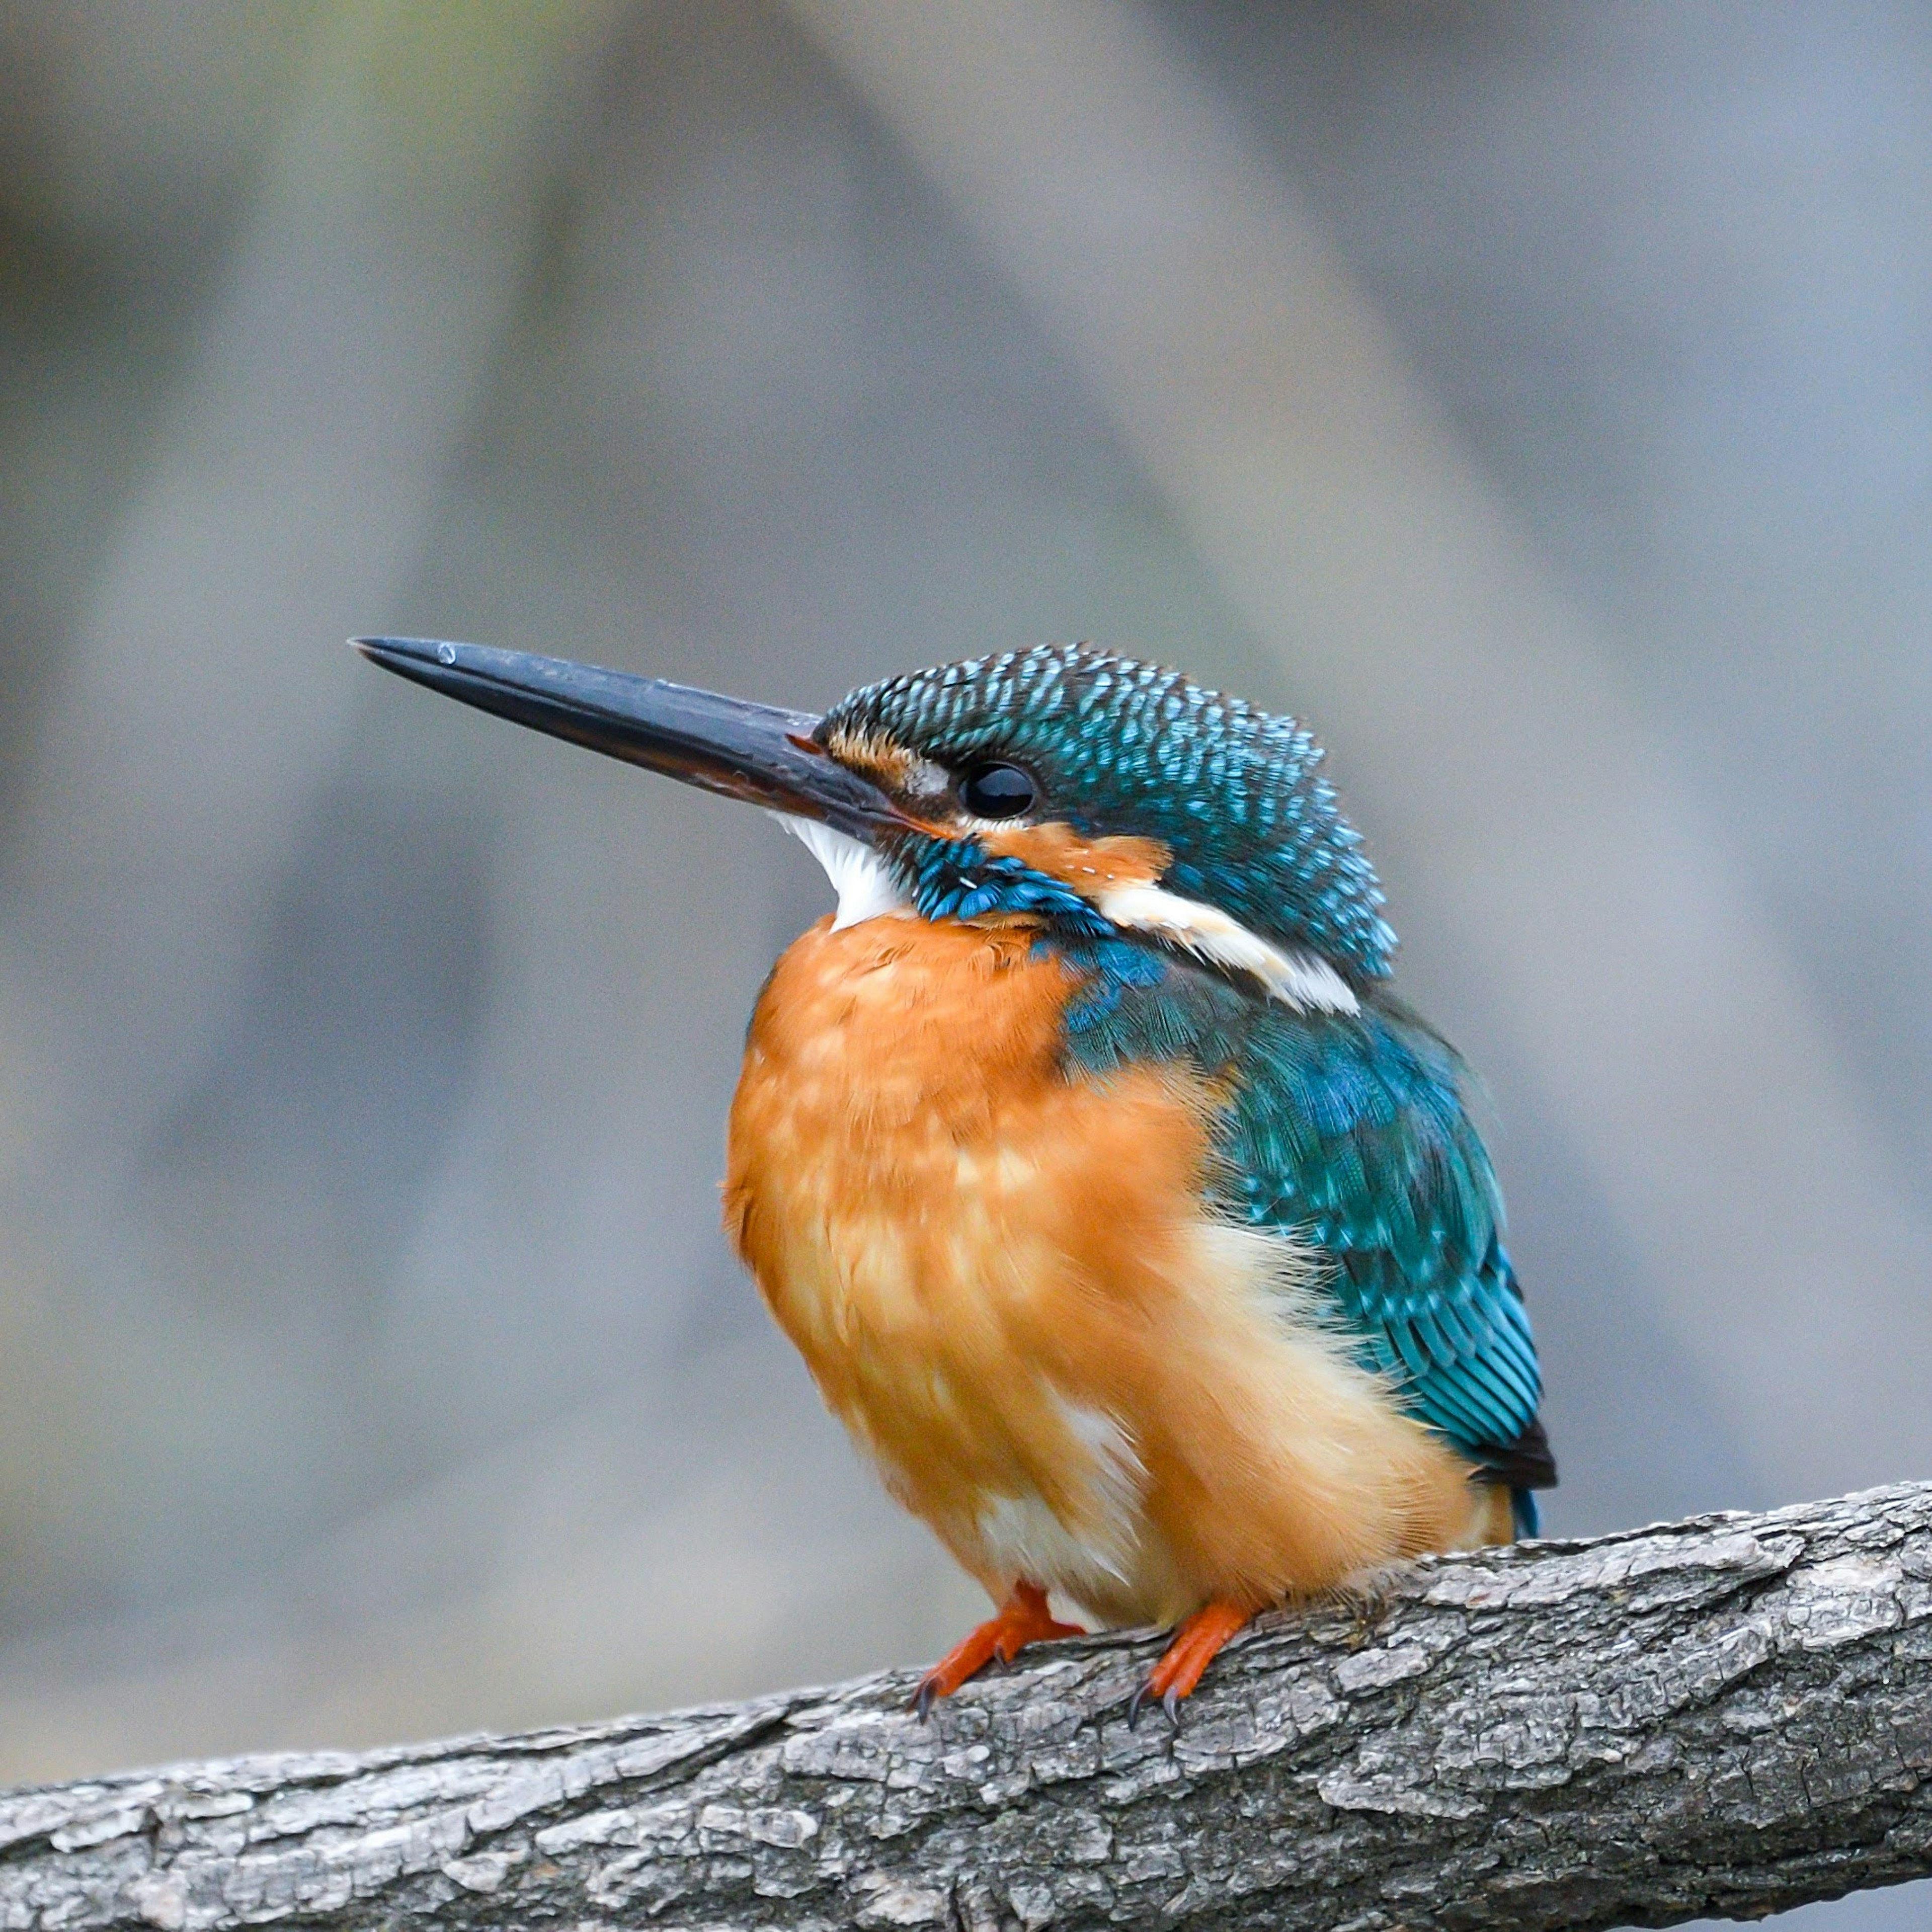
(1002, 1279)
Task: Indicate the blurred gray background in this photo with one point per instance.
(1536, 399)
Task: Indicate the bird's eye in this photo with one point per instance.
(996, 791)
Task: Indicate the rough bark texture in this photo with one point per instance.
(1726, 1716)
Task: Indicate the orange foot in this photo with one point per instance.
(1023, 1619)
(1194, 1646)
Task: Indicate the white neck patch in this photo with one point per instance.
(864, 886)
(1308, 985)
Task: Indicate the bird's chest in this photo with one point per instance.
(940, 1218)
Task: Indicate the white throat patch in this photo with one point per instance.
(858, 876)
(1308, 985)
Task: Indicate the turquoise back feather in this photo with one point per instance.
(1353, 1133)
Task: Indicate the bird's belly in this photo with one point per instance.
(1002, 1282)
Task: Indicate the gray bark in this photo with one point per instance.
(1726, 1716)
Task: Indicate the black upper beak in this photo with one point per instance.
(751, 751)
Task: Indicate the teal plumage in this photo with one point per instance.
(1355, 1132)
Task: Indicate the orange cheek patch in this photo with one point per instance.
(1090, 866)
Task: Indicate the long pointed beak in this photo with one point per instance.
(756, 752)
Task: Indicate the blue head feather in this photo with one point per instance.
(1120, 747)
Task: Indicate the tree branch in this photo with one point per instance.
(1726, 1716)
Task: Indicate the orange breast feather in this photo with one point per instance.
(1002, 1280)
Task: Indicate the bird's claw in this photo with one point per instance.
(1170, 1703)
(1196, 1641)
(1023, 1618)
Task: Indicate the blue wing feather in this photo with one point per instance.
(1352, 1130)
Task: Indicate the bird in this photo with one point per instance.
(1141, 1237)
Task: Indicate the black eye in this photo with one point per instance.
(996, 791)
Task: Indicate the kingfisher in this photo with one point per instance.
(1138, 1234)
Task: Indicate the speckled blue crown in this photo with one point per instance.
(1119, 746)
